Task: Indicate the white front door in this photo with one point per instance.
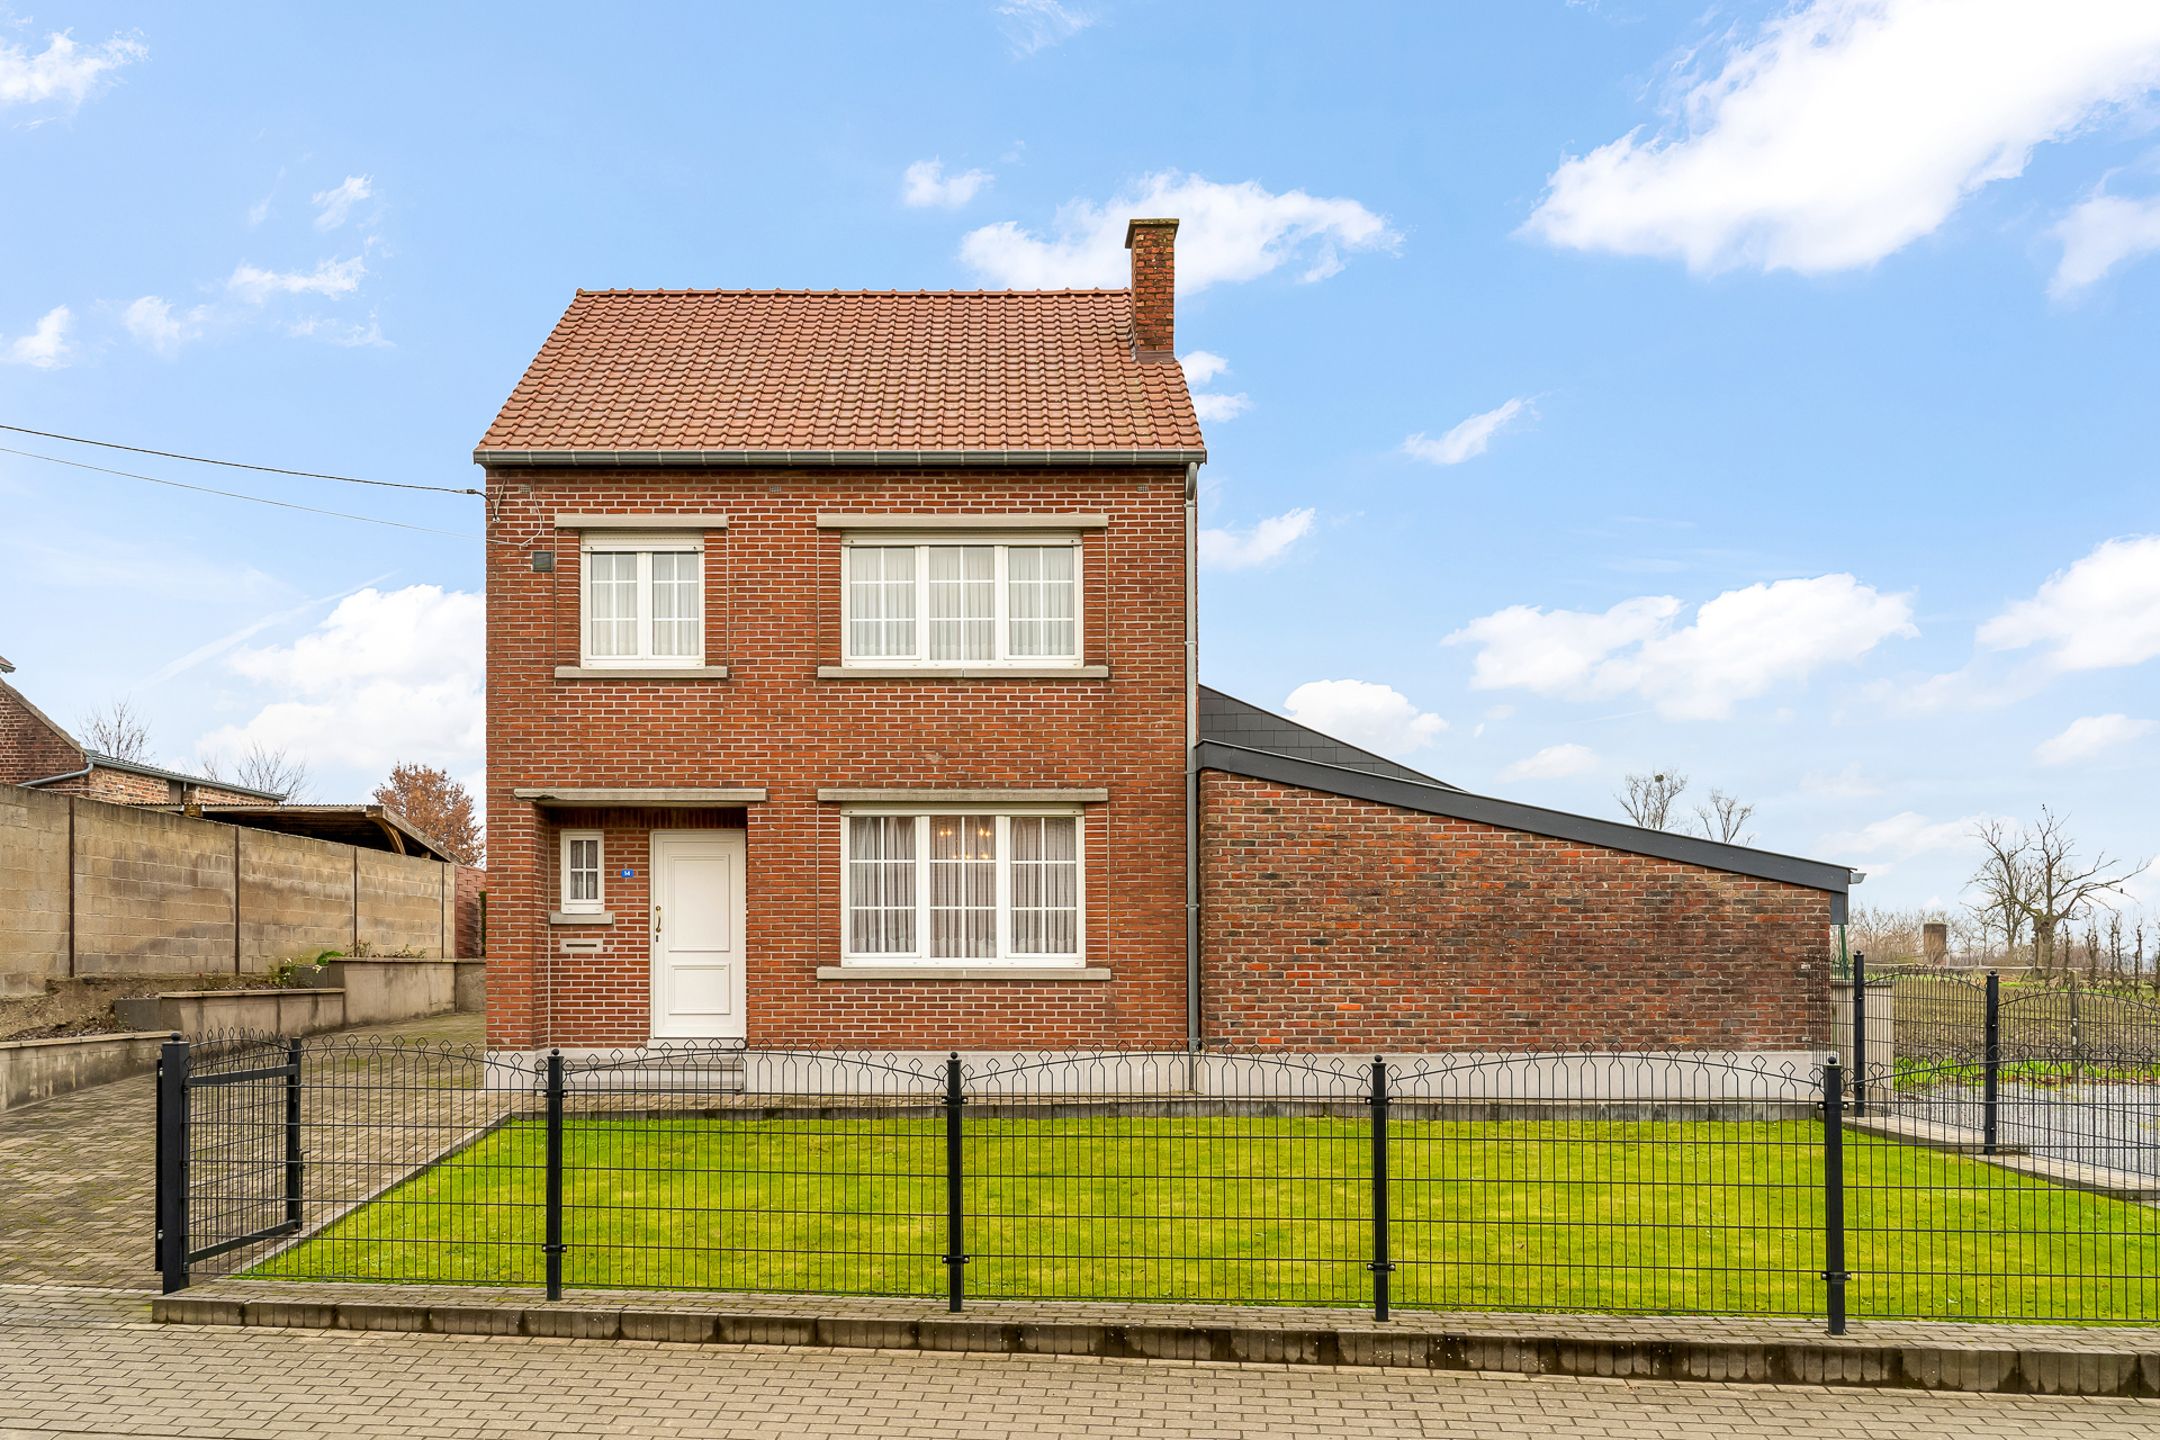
(697, 941)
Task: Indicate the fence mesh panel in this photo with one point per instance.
(1617, 1183)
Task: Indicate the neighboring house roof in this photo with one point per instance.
(370, 827)
(1430, 797)
(159, 772)
(845, 376)
(1227, 720)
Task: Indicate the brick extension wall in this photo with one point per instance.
(1338, 924)
(773, 615)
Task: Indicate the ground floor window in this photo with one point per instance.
(963, 887)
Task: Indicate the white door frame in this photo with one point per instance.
(657, 842)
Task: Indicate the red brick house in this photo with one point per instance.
(842, 693)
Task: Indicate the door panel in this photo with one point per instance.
(697, 935)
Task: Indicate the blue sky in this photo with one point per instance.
(1765, 393)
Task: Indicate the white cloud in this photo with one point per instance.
(1557, 652)
(334, 206)
(152, 322)
(1376, 717)
(1841, 131)
(63, 70)
(387, 676)
(1263, 544)
(2101, 613)
(1221, 407)
(925, 184)
(349, 333)
(331, 278)
(1032, 26)
(45, 346)
(1554, 762)
(1468, 439)
(1876, 847)
(2100, 234)
(1229, 233)
(2091, 736)
(1202, 366)
(1850, 783)
(1740, 645)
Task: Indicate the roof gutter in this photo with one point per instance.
(620, 459)
(56, 779)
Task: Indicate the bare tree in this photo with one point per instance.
(1725, 818)
(2002, 884)
(438, 807)
(2062, 885)
(277, 771)
(1649, 799)
(117, 730)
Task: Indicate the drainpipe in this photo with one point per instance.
(1193, 1041)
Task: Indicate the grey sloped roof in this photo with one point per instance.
(1227, 720)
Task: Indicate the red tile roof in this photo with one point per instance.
(734, 371)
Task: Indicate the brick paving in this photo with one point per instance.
(82, 1363)
(76, 1176)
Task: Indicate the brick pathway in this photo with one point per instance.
(76, 1177)
(85, 1364)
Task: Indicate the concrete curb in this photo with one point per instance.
(2026, 1360)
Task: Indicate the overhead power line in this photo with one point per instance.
(236, 465)
(232, 494)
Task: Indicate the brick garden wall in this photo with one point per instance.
(1338, 924)
(773, 615)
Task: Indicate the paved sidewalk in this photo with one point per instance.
(86, 1364)
(76, 1176)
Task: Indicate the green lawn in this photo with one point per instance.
(1717, 1217)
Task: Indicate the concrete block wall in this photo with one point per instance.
(93, 889)
(34, 884)
(296, 894)
(153, 892)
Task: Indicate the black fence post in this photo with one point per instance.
(292, 1132)
(1990, 1063)
(1834, 1273)
(1859, 1033)
(955, 1211)
(554, 1246)
(1381, 1266)
(172, 1164)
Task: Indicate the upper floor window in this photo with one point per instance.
(941, 603)
(644, 599)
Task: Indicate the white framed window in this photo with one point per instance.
(942, 603)
(583, 890)
(962, 887)
(644, 600)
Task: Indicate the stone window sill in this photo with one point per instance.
(641, 672)
(963, 972)
(581, 917)
(963, 672)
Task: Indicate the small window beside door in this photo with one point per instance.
(582, 890)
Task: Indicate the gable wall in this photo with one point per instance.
(30, 748)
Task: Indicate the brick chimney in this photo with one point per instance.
(1154, 288)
